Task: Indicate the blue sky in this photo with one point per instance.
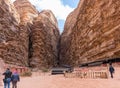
(60, 8)
(72, 4)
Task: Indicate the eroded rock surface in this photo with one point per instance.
(26, 10)
(94, 34)
(13, 49)
(27, 37)
(45, 36)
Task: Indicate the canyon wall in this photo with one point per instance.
(45, 36)
(94, 33)
(26, 11)
(27, 37)
(13, 49)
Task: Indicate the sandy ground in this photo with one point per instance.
(59, 81)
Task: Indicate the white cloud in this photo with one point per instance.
(56, 6)
(12, 0)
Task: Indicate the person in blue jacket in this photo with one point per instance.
(15, 79)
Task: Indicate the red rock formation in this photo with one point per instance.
(94, 34)
(26, 10)
(45, 36)
(27, 14)
(13, 49)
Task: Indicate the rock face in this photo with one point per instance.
(94, 33)
(26, 10)
(27, 38)
(45, 36)
(13, 49)
(27, 14)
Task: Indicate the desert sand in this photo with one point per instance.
(59, 81)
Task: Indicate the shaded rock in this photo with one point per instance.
(94, 34)
(44, 36)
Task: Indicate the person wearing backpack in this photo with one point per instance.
(15, 79)
(7, 78)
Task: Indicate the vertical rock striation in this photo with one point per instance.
(94, 33)
(27, 14)
(45, 36)
(12, 47)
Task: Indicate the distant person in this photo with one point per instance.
(111, 70)
(15, 79)
(7, 78)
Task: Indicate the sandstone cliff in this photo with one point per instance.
(13, 49)
(45, 36)
(94, 34)
(26, 10)
(27, 37)
(27, 14)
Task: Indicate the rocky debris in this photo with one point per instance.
(94, 34)
(13, 46)
(44, 37)
(26, 10)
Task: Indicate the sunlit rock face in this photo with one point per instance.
(27, 14)
(94, 33)
(13, 49)
(12, 10)
(26, 10)
(27, 38)
(44, 36)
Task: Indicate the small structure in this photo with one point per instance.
(60, 70)
(20, 69)
(90, 72)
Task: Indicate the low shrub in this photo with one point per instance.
(45, 70)
(26, 74)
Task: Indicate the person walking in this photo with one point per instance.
(15, 79)
(111, 70)
(7, 78)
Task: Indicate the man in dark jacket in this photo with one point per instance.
(7, 78)
(111, 70)
(15, 79)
